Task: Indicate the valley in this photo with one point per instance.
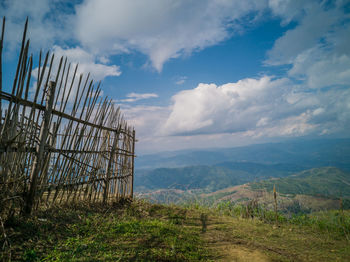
(303, 179)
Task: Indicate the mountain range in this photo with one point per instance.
(219, 168)
(310, 174)
(302, 153)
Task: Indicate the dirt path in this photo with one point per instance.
(230, 251)
(233, 238)
(239, 253)
(227, 249)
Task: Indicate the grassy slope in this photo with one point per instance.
(131, 233)
(145, 232)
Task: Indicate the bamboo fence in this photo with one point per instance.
(60, 141)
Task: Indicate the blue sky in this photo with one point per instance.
(201, 74)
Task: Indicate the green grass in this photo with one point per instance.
(141, 231)
(137, 232)
(128, 239)
(334, 222)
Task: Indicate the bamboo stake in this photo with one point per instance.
(133, 162)
(275, 201)
(1, 47)
(37, 165)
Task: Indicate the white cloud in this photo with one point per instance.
(314, 22)
(147, 120)
(317, 47)
(232, 107)
(87, 63)
(161, 29)
(320, 68)
(288, 9)
(48, 21)
(50, 24)
(291, 126)
(259, 107)
(243, 113)
(132, 97)
(181, 80)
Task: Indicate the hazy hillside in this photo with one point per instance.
(304, 153)
(222, 171)
(209, 177)
(314, 189)
(310, 190)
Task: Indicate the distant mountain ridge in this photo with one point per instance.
(210, 178)
(310, 190)
(303, 153)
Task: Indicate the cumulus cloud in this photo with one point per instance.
(132, 97)
(161, 29)
(259, 107)
(232, 107)
(248, 111)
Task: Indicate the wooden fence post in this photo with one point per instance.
(1, 46)
(109, 168)
(132, 162)
(38, 159)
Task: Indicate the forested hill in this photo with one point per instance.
(327, 181)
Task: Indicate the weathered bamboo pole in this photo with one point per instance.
(1, 47)
(37, 163)
(109, 168)
(133, 162)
